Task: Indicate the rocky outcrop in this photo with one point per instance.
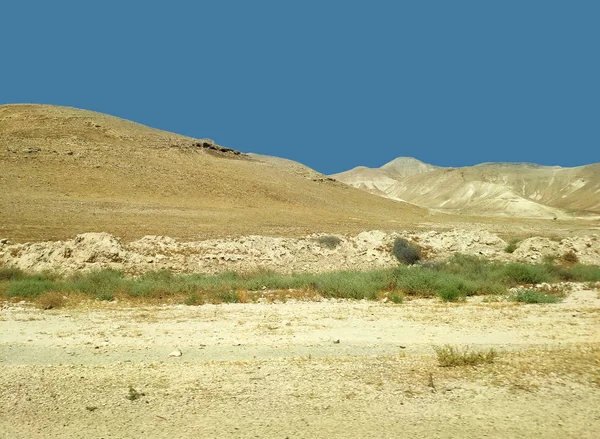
(314, 253)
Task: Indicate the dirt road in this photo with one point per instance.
(329, 369)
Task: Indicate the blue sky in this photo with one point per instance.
(332, 84)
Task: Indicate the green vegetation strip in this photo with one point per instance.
(453, 280)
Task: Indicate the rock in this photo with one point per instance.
(176, 353)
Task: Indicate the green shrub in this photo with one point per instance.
(534, 296)
(405, 252)
(512, 246)
(30, 288)
(227, 296)
(97, 283)
(396, 297)
(456, 289)
(527, 274)
(585, 273)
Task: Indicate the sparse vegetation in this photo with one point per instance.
(512, 245)
(569, 257)
(453, 280)
(52, 300)
(451, 356)
(406, 253)
(9, 273)
(530, 295)
(134, 394)
(329, 241)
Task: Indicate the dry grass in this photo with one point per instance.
(51, 300)
(451, 356)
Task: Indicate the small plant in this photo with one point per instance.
(530, 295)
(52, 300)
(569, 258)
(450, 356)
(512, 246)
(405, 252)
(105, 296)
(329, 241)
(134, 394)
(194, 299)
(9, 273)
(396, 297)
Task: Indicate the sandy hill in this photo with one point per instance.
(67, 171)
(492, 189)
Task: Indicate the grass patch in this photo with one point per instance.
(531, 295)
(9, 273)
(451, 356)
(29, 287)
(453, 280)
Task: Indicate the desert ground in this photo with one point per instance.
(83, 191)
(301, 370)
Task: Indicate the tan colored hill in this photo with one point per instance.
(492, 189)
(66, 171)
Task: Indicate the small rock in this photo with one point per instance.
(337, 341)
(176, 353)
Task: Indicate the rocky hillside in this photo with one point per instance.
(489, 189)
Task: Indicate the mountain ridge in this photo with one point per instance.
(491, 189)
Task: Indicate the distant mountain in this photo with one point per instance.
(488, 189)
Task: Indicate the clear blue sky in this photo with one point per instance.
(332, 84)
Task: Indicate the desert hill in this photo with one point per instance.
(489, 189)
(67, 171)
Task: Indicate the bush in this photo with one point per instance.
(512, 246)
(102, 283)
(569, 258)
(9, 273)
(534, 296)
(405, 252)
(585, 273)
(329, 241)
(450, 356)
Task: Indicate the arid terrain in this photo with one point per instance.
(83, 191)
(490, 189)
(330, 369)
